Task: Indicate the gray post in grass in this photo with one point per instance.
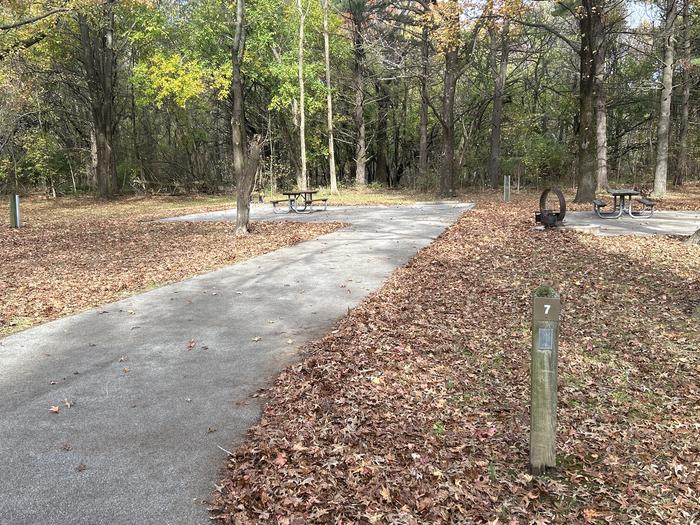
(14, 211)
(543, 380)
(506, 188)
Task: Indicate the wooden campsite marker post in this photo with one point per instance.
(506, 188)
(543, 380)
(14, 211)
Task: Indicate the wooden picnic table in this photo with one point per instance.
(300, 201)
(622, 202)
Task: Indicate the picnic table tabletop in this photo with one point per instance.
(300, 192)
(621, 192)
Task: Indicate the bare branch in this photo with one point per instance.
(28, 21)
(572, 44)
(23, 44)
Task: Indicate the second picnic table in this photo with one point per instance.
(622, 202)
(301, 201)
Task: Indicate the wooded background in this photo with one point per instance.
(114, 96)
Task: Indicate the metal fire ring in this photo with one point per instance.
(562, 202)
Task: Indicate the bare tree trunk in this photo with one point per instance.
(106, 172)
(457, 55)
(683, 164)
(302, 108)
(273, 182)
(447, 165)
(399, 123)
(135, 137)
(293, 148)
(601, 114)
(91, 168)
(359, 85)
(329, 101)
(382, 169)
(424, 94)
(245, 184)
(98, 61)
(664, 124)
(245, 160)
(499, 74)
(238, 131)
(586, 161)
(361, 146)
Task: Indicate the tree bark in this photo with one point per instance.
(601, 115)
(245, 160)
(302, 102)
(382, 169)
(424, 94)
(601, 111)
(361, 146)
(245, 184)
(683, 163)
(98, 61)
(664, 123)
(329, 101)
(399, 123)
(457, 54)
(499, 73)
(589, 23)
(91, 167)
(359, 85)
(447, 165)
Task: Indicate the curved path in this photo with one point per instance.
(159, 381)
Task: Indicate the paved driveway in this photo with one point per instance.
(158, 381)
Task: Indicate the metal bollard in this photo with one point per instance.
(15, 221)
(543, 379)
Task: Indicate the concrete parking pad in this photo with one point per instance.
(661, 223)
(149, 387)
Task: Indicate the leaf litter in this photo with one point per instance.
(73, 254)
(414, 409)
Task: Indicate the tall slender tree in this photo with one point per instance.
(590, 29)
(302, 95)
(601, 108)
(663, 127)
(457, 49)
(499, 49)
(424, 102)
(245, 157)
(329, 100)
(358, 11)
(98, 60)
(683, 161)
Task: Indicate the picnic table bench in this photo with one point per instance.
(298, 202)
(623, 202)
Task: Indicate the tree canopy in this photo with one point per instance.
(123, 95)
